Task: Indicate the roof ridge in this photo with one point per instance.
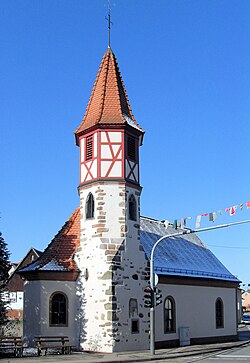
(105, 83)
(117, 71)
(92, 93)
(125, 93)
(61, 246)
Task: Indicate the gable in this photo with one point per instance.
(59, 255)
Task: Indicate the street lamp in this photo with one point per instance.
(152, 274)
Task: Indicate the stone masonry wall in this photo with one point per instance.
(114, 270)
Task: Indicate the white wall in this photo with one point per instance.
(110, 285)
(195, 308)
(16, 300)
(36, 310)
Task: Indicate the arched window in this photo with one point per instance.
(133, 308)
(58, 308)
(169, 315)
(90, 206)
(219, 313)
(132, 210)
(133, 313)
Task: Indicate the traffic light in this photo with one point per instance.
(148, 297)
(157, 296)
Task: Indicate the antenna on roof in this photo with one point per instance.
(109, 23)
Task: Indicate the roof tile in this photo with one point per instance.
(108, 103)
(59, 255)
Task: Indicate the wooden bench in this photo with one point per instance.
(52, 342)
(11, 344)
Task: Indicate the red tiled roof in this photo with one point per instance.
(108, 103)
(58, 256)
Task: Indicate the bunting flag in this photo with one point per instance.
(233, 210)
(181, 223)
(166, 223)
(198, 222)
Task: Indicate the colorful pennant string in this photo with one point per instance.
(181, 223)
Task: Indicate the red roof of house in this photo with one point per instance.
(108, 103)
(59, 255)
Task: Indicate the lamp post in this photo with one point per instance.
(152, 274)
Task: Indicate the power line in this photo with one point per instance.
(239, 248)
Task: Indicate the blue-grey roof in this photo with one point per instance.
(181, 256)
(52, 265)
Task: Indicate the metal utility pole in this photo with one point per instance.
(152, 275)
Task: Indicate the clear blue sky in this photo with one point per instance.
(185, 64)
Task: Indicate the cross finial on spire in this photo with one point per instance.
(109, 23)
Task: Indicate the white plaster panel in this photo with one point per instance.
(95, 145)
(106, 152)
(127, 168)
(104, 167)
(119, 156)
(130, 167)
(115, 150)
(83, 172)
(103, 137)
(94, 169)
(132, 163)
(82, 148)
(88, 163)
(136, 172)
(115, 136)
(88, 178)
(116, 170)
(131, 177)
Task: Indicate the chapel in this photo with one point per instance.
(90, 281)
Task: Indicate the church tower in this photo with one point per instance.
(110, 256)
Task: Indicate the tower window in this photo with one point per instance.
(134, 326)
(90, 206)
(133, 308)
(131, 148)
(89, 147)
(219, 313)
(58, 308)
(169, 315)
(132, 210)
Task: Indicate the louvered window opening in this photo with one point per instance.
(89, 147)
(131, 148)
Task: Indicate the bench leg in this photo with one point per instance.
(19, 352)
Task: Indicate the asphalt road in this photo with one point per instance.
(237, 355)
(231, 352)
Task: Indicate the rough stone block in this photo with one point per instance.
(102, 230)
